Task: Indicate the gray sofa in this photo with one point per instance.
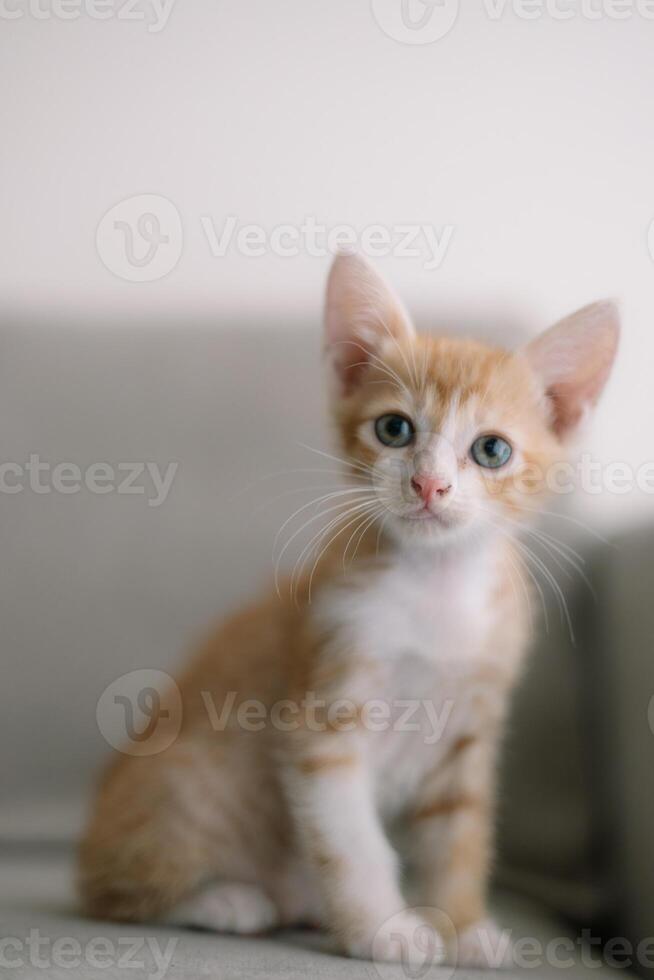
(96, 584)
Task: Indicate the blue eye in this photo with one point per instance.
(491, 451)
(394, 431)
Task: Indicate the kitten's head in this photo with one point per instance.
(454, 435)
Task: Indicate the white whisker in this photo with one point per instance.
(549, 577)
(306, 524)
(362, 467)
(364, 531)
(330, 543)
(331, 495)
(290, 492)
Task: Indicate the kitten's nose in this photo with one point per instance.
(430, 486)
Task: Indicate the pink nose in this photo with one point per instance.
(430, 486)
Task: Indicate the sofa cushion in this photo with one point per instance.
(41, 934)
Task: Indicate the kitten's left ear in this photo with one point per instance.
(361, 315)
(573, 359)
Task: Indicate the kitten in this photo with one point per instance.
(368, 791)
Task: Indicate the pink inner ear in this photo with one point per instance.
(351, 368)
(351, 357)
(354, 354)
(361, 312)
(574, 359)
(572, 399)
(567, 410)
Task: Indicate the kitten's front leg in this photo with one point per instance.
(452, 837)
(332, 797)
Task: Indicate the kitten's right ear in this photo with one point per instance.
(573, 360)
(361, 314)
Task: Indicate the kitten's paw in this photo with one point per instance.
(404, 938)
(228, 907)
(483, 945)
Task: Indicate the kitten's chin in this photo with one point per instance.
(435, 531)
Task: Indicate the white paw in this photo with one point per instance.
(483, 945)
(404, 938)
(228, 907)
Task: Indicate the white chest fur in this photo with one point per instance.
(434, 606)
(423, 622)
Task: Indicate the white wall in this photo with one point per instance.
(533, 139)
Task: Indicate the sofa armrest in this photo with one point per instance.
(620, 686)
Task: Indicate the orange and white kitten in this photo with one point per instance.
(368, 789)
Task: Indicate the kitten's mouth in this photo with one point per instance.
(425, 514)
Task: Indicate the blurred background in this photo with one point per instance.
(175, 175)
(521, 136)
